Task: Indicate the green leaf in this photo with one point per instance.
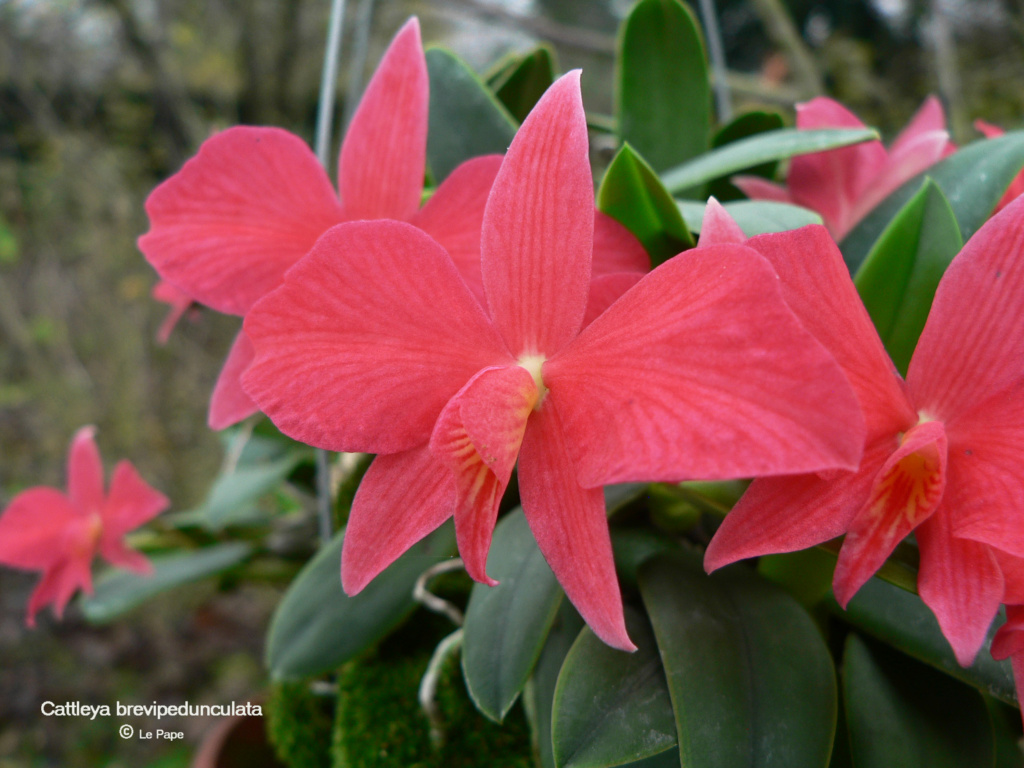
(232, 496)
(466, 120)
(663, 97)
(521, 81)
(119, 591)
(898, 279)
(317, 627)
(619, 495)
(900, 619)
(540, 692)
(755, 217)
(742, 127)
(902, 714)
(506, 625)
(973, 179)
(632, 194)
(611, 707)
(762, 148)
(632, 547)
(751, 679)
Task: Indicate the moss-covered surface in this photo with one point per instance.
(299, 725)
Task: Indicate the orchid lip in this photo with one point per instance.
(534, 365)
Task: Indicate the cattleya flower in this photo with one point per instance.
(843, 185)
(226, 228)
(944, 455)
(45, 530)
(1016, 187)
(375, 343)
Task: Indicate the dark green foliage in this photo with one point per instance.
(299, 725)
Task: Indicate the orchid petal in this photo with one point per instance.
(85, 471)
(1009, 640)
(786, 514)
(229, 403)
(906, 491)
(973, 342)
(34, 528)
(132, 502)
(616, 249)
(1013, 577)
(58, 585)
(402, 498)
(960, 581)
(226, 227)
(570, 526)
(179, 301)
(718, 226)
(352, 353)
(914, 156)
(383, 156)
(817, 287)
(605, 290)
(477, 437)
(702, 371)
(539, 226)
(930, 117)
(757, 188)
(454, 216)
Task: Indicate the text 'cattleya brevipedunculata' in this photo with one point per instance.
(375, 343)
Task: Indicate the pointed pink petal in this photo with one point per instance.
(605, 290)
(229, 403)
(539, 226)
(616, 249)
(367, 339)
(85, 471)
(960, 581)
(786, 514)
(180, 303)
(930, 117)
(906, 492)
(34, 528)
(454, 216)
(702, 371)
(817, 287)
(1013, 577)
(402, 498)
(914, 156)
(1010, 640)
(477, 437)
(570, 526)
(718, 226)
(132, 502)
(383, 156)
(989, 130)
(117, 553)
(226, 227)
(972, 344)
(757, 188)
(58, 585)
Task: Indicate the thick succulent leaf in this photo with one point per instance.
(632, 193)
(897, 280)
(901, 620)
(523, 80)
(506, 625)
(740, 127)
(663, 96)
(119, 591)
(973, 179)
(755, 150)
(317, 627)
(611, 707)
(233, 494)
(901, 713)
(755, 217)
(466, 120)
(541, 690)
(751, 679)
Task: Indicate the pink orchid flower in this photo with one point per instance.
(253, 202)
(844, 185)
(943, 455)
(45, 530)
(698, 371)
(1016, 187)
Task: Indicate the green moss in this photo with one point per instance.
(299, 725)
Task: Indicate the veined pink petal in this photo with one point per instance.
(973, 342)
(570, 526)
(85, 471)
(180, 302)
(477, 437)
(757, 188)
(930, 117)
(58, 585)
(352, 353)
(402, 498)
(226, 227)
(229, 403)
(906, 491)
(718, 226)
(616, 249)
(454, 216)
(817, 287)
(960, 581)
(131, 502)
(383, 156)
(539, 226)
(34, 528)
(605, 290)
(786, 514)
(702, 371)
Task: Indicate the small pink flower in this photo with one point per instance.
(944, 455)
(697, 371)
(1016, 187)
(45, 530)
(843, 185)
